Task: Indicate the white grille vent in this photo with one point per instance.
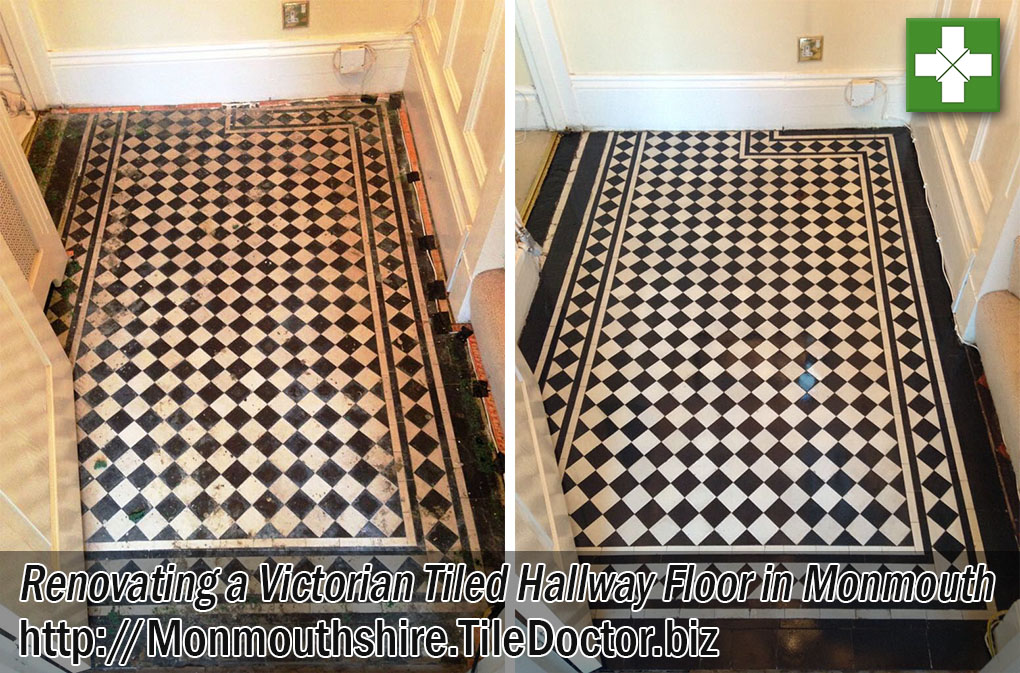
(15, 231)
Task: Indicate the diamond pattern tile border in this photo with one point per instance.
(253, 363)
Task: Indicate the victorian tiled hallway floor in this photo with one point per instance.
(746, 352)
(255, 367)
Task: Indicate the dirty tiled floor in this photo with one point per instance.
(248, 330)
(257, 376)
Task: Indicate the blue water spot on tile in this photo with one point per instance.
(806, 381)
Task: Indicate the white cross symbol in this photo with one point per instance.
(952, 64)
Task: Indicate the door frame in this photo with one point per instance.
(540, 42)
(26, 47)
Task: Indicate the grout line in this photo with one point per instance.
(488, 403)
(423, 206)
(274, 102)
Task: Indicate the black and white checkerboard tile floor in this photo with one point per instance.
(735, 336)
(253, 361)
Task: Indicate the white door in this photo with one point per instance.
(40, 505)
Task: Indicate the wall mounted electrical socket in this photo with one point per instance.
(295, 14)
(809, 48)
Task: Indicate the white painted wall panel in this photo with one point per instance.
(456, 104)
(971, 167)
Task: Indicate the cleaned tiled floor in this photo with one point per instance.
(253, 362)
(745, 347)
(741, 358)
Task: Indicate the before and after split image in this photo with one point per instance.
(545, 336)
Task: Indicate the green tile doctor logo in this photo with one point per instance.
(952, 64)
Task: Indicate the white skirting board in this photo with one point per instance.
(225, 73)
(527, 111)
(718, 102)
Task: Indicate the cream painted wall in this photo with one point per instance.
(731, 36)
(125, 24)
(712, 64)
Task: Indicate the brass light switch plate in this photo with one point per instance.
(809, 48)
(295, 14)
